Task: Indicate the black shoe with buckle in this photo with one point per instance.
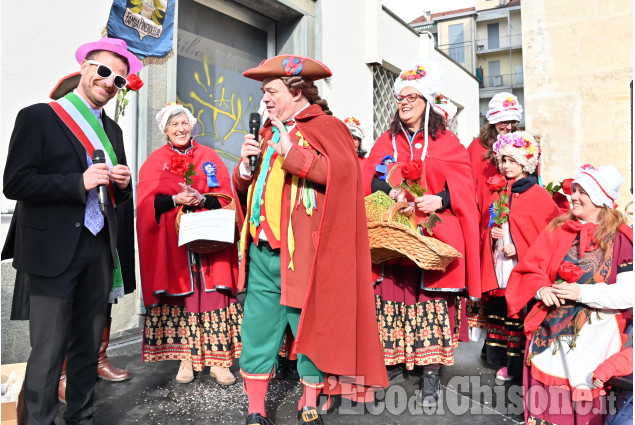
(430, 389)
(309, 416)
(258, 419)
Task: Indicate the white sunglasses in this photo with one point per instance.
(104, 72)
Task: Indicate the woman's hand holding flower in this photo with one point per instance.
(549, 297)
(497, 232)
(428, 203)
(188, 196)
(567, 291)
(402, 196)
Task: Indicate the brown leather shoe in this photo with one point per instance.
(222, 375)
(61, 388)
(186, 372)
(105, 369)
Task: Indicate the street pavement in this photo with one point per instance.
(469, 395)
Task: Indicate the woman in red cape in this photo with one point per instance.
(357, 131)
(192, 314)
(504, 244)
(581, 272)
(418, 311)
(503, 116)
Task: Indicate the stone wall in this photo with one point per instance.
(578, 63)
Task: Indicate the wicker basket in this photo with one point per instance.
(389, 240)
(204, 246)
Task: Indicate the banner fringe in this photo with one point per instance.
(148, 60)
(153, 60)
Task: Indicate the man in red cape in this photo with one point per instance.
(304, 242)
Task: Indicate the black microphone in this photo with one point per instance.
(102, 192)
(254, 128)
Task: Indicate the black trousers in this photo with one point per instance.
(67, 316)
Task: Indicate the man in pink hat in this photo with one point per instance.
(65, 237)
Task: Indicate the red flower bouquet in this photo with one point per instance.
(496, 183)
(569, 272)
(134, 84)
(499, 210)
(559, 198)
(412, 170)
(407, 176)
(183, 167)
(410, 174)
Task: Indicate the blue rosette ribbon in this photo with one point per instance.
(210, 170)
(382, 169)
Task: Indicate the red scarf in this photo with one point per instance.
(587, 234)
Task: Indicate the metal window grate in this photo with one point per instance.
(453, 126)
(384, 105)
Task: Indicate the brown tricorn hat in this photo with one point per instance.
(65, 86)
(287, 65)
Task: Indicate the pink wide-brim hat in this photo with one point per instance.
(114, 45)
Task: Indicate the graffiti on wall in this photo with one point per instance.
(221, 100)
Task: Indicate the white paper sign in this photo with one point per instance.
(214, 225)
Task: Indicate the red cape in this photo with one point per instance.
(338, 326)
(619, 364)
(446, 162)
(482, 169)
(530, 213)
(163, 264)
(539, 268)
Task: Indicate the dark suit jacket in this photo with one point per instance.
(44, 173)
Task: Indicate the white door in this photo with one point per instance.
(519, 74)
(495, 77)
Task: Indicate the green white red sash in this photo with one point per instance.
(89, 131)
(86, 127)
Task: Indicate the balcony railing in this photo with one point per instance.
(459, 52)
(503, 80)
(485, 45)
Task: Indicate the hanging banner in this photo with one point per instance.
(145, 25)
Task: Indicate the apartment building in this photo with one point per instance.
(486, 40)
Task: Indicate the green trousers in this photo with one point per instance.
(265, 321)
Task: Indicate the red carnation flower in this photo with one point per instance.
(566, 186)
(496, 183)
(134, 82)
(570, 272)
(180, 165)
(412, 170)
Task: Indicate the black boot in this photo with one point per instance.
(258, 419)
(430, 388)
(309, 416)
(394, 371)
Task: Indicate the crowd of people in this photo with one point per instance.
(546, 287)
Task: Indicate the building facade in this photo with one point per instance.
(363, 43)
(578, 85)
(487, 41)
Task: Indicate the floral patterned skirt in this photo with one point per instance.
(416, 327)
(205, 329)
